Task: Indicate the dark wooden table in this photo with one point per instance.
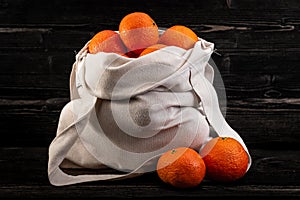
(259, 43)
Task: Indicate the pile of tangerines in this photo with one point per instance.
(222, 158)
(138, 35)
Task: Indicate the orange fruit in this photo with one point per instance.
(181, 167)
(180, 36)
(152, 48)
(225, 159)
(106, 41)
(138, 31)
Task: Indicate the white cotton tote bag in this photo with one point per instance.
(125, 112)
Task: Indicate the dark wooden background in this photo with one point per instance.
(259, 43)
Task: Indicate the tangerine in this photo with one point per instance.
(138, 31)
(225, 159)
(152, 49)
(181, 167)
(180, 36)
(106, 41)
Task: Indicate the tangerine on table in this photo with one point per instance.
(180, 36)
(225, 159)
(138, 31)
(181, 167)
(106, 41)
(152, 49)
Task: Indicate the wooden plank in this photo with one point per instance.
(35, 129)
(263, 122)
(256, 74)
(32, 80)
(30, 179)
(254, 36)
(249, 35)
(227, 34)
(69, 40)
(29, 93)
(263, 5)
(227, 61)
(237, 86)
(57, 12)
(245, 74)
(20, 38)
(241, 86)
(151, 192)
(257, 61)
(37, 62)
(36, 121)
(239, 91)
(273, 129)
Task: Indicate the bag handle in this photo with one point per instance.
(209, 99)
(63, 143)
(79, 59)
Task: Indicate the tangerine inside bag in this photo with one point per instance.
(125, 112)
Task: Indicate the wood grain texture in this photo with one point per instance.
(258, 49)
(58, 12)
(23, 174)
(233, 35)
(268, 123)
(258, 62)
(244, 74)
(38, 42)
